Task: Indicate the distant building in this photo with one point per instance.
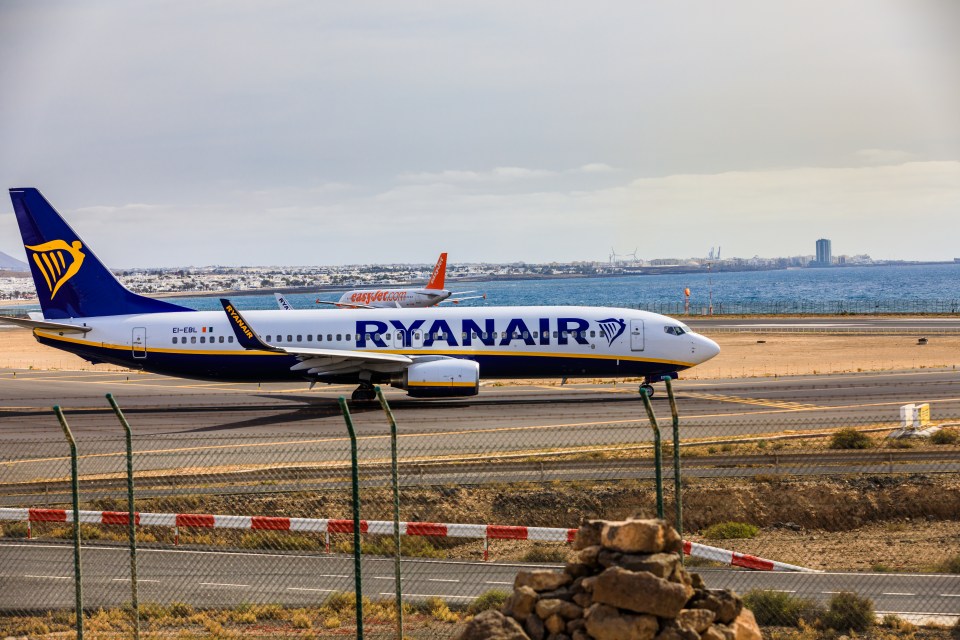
(824, 253)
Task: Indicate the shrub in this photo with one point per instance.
(544, 553)
(850, 439)
(492, 599)
(730, 530)
(896, 623)
(301, 620)
(950, 565)
(180, 610)
(776, 608)
(849, 612)
(945, 436)
(15, 530)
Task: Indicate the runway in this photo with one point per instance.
(39, 575)
(181, 424)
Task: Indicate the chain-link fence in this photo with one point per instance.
(804, 307)
(254, 535)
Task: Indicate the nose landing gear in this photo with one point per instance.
(647, 388)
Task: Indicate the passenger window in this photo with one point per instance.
(183, 340)
(309, 338)
(203, 339)
(348, 337)
(193, 340)
(484, 336)
(289, 338)
(229, 338)
(554, 334)
(536, 334)
(526, 335)
(463, 335)
(174, 340)
(299, 338)
(593, 334)
(386, 336)
(329, 337)
(221, 340)
(494, 335)
(339, 337)
(268, 338)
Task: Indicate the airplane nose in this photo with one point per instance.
(706, 348)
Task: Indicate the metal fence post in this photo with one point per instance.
(75, 489)
(355, 478)
(394, 473)
(678, 501)
(131, 519)
(656, 450)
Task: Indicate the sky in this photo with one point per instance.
(302, 132)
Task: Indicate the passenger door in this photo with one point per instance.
(636, 335)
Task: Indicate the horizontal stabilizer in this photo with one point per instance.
(45, 324)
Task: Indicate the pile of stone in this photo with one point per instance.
(627, 583)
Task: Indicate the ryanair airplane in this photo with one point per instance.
(438, 352)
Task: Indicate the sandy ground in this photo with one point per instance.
(741, 355)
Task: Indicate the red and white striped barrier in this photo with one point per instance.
(486, 532)
(744, 560)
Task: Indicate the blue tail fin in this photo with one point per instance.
(71, 282)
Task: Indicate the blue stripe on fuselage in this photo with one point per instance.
(262, 367)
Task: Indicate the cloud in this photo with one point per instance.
(597, 167)
(884, 156)
(498, 174)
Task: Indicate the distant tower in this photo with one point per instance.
(824, 253)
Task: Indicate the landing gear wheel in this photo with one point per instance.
(363, 393)
(648, 388)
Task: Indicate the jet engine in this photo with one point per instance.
(443, 378)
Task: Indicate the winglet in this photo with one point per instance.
(246, 336)
(439, 273)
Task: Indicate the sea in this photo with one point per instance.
(882, 289)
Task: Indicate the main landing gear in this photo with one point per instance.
(363, 393)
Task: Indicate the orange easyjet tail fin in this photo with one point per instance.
(439, 273)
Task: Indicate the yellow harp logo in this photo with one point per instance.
(57, 261)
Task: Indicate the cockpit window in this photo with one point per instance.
(674, 330)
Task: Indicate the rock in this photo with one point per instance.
(570, 611)
(583, 599)
(641, 592)
(606, 623)
(580, 634)
(589, 555)
(521, 603)
(717, 632)
(588, 534)
(563, 593)
(673, 631)
(577, 570)
(661, 565)
(745, 627)
(640, 536)
(696, 581)
(575, 625)
(541, 580)
(587, 583)
(697, 619)
(723, 602)
(534, 627)
(547, 608)
(555, 624)
(493, 625)
(558, 636)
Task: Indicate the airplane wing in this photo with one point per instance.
(459, 300)
(342, 305)
(316, 362)
(45, 324)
